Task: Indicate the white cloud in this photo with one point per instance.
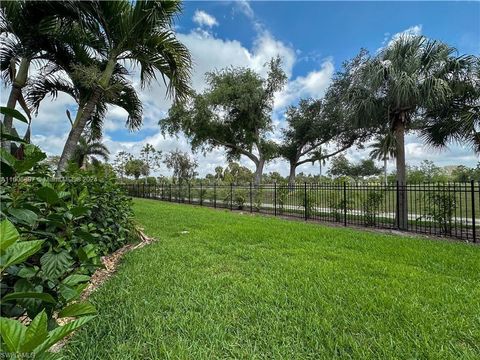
(245, 8)
(204, 19)
(313, 85)
(211, 53)
(411, 31)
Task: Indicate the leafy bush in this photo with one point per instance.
(282, 195)
(257, 198)
(309, 204)
(371, 207)
(35, 339)
(65, 227)
(441, 209)
(338, 204)
(240, 198)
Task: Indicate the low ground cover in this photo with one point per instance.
(218, 284)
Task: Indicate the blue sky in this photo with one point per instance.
(340, 29)
(313, 38)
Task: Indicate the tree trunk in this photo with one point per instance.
(76, 131)
(259, 171)
(291, 176)
(83, 115)
(402, 206)
(385, 170)
(15, 94)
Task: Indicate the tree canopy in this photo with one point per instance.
(233, 113)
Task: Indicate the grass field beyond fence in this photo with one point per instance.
(220, 284)
(441, 209)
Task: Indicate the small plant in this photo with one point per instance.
(338, 205)
(309, 204)
(240, 198)
(282, 195)
(34, 339)
(441, 209)
(371, 207)
(257, 199)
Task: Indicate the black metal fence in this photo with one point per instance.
(447, 209)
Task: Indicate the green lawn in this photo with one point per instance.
(219, 284)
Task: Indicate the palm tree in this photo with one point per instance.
(121, 93)
(140, 33)
(384, 148)
(88, 147)
(399, 86)
(460, 121)
(29, 31)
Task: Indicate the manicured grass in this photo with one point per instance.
(228, 285)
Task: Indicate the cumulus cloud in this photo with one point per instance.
(411, 31)
(210, 53)
(313, 85)
(204, 19)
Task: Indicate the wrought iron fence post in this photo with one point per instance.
(474, 230)
(275, 197)
(231, 196)
(344, 203)
(201, 194)
(170, 195)
(215, 195)
(251, 200)
(305, 200)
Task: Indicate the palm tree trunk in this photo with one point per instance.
(15, 94)
(402, 206)
(83, 115)
(76, 131)
(385, 170)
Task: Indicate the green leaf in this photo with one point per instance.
(19, 252)
(33, 155)
(48, 195)
(55, 264)
(75, 279)
(24, 216)
(5, 135)
(13, 113)
(27, 272)
(29, 295)
(79, 210)
(36, 333)
(12, 333)
(9, 235)
(59, 333)
(68, 293)
(7, 164)
(77, 309)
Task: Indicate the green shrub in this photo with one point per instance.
(282, 196)
(35, 339)
(65, 227)
(257, 198)
(309, 204)
(440, 209)
(338, 205)
(371, 207)
(240, 198)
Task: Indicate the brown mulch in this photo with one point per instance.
(110, 264)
